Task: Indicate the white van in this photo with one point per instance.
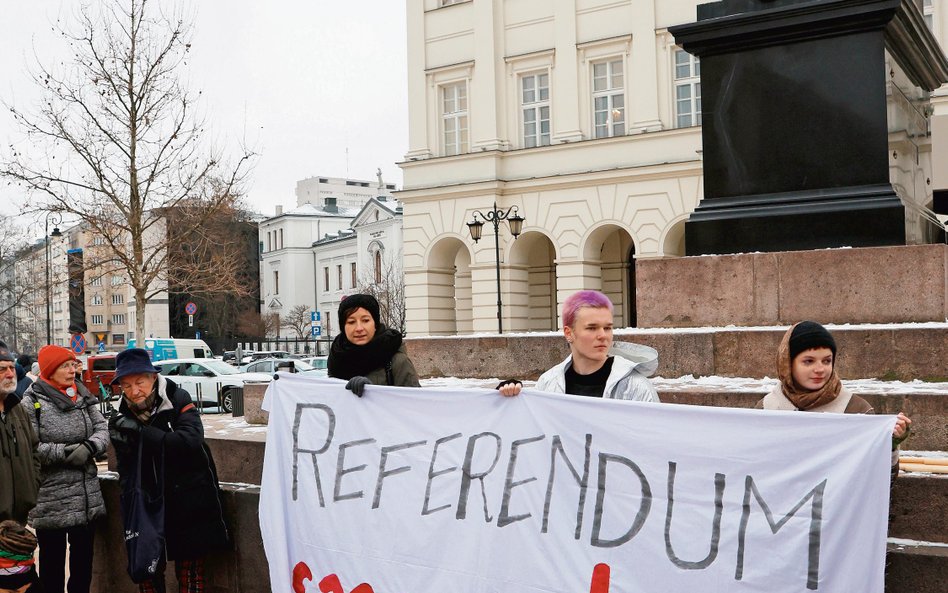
(168, 348)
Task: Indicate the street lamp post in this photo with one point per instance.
(476, 227)
(56, 233)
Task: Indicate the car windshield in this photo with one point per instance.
(219, 367)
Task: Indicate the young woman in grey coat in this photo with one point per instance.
(71, 432)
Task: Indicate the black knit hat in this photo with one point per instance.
(356, 301)
(5, 353)
(810, 334)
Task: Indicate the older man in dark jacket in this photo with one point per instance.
(158, 421)
(19, 463)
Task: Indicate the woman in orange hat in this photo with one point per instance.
(71, 432)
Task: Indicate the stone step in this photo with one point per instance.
(916, 567)
(893, 352)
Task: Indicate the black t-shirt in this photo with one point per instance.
(591, 385)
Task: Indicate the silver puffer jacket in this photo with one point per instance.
(68, 496)
(629, 377)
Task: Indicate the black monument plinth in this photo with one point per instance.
(794, 122)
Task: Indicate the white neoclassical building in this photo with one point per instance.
(365, 256)
(328, 246)
(585, 116)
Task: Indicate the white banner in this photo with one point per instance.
(465, 491)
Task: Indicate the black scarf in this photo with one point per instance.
(347, 360)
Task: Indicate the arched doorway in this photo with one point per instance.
(448, 287)
(613, 248)
(532, 274)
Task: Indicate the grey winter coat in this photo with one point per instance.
(68, 496)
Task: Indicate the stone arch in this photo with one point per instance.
(448, 269)
(612, 247)
(532, 282)
(673, 241)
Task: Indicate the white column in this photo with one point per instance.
(486, 103)
(643, 79)
(565, 79)
(417, 95)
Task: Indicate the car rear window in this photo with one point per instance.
(103, 364)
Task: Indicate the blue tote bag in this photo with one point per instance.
(143, 514)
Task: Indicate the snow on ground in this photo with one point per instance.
(746, 384)
(897, 541)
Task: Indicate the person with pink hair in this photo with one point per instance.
(596, 366)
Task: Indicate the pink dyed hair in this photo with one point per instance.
(583, 298)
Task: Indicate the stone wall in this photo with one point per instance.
(903, 353)
(865, 285)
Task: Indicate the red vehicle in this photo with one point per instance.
(98, 370)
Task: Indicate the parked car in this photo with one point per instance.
(272, 365)
(251, 356)
(212, 381)
(317, 362)
(97, 373)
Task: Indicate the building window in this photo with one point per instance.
(608, 99)
(118, 299)
(339, 276)
(118, 339)
(281, 238)
(98, 240)
(352, 271)
(326, 279)
(117, 280)
(97, 281)
(928, 11)
(687, 90)
(118, 319)
(535, 107)
(98, 319)
(97, 299)
(450, 2)
(378, 267)
(276, 282)
(454, 118)
(269, 242)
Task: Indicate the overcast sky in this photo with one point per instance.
(302, 80)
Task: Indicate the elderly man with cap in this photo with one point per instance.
(159, 426)
(19, 464)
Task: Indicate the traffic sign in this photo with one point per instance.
(101, 346)
(190, 308)
(78, 343)
(190, 320)
(317, 331)
(314, 316)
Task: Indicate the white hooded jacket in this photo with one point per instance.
(628, 380)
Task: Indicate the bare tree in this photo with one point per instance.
(253, 324)
(387, 284)
(15, 289)
(117, 142)
(299, 320)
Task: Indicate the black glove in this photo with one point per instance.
(127, 426)
(509, 382)
(79, 456)
(357, 384)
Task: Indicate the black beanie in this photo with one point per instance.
(810, 334)
(356, 301)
